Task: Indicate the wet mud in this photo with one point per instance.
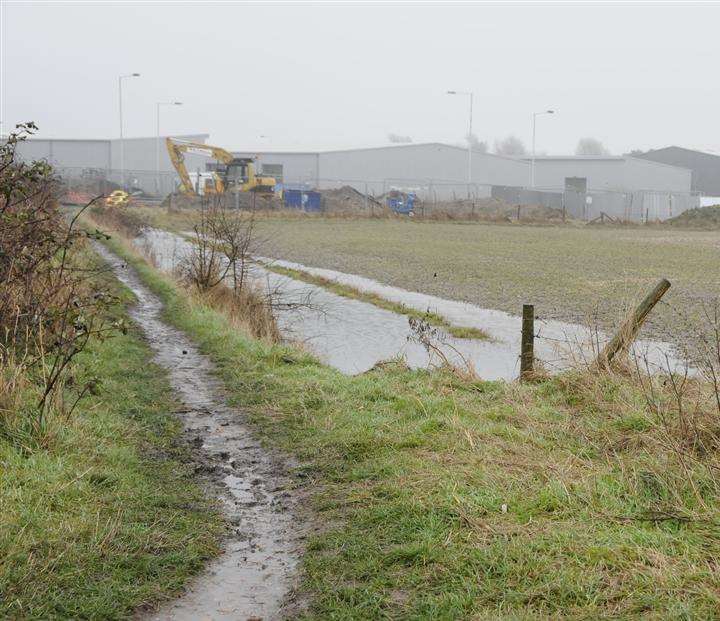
(254, 577)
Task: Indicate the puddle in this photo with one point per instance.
(353, 336)
(253, 578)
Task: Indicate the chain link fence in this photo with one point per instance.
(431, 196)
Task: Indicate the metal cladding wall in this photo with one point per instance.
(67, 153)
(139, 153)
(705, 166)
(377, 170)
(617, 174)
(301, 167)
(71, 157)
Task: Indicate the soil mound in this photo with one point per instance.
(700, 217)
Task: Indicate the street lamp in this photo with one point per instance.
(532, 164)
(469, 137)
(122, 146)
(157, 141)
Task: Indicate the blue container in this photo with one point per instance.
(299, 199)
(402, 203)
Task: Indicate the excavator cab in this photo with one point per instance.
(237, 173)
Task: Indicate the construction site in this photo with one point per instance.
(425, 180)
(362, 311)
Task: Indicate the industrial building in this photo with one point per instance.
(620, 187)
(586, 187)
(431, 169)
(610, 173)
(147, 164)
(705, 167)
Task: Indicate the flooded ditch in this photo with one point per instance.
(254, 576)
(353, 336)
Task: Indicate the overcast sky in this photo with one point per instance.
(315, 76)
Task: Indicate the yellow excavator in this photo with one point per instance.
(231, 174)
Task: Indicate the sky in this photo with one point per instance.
(313, 76)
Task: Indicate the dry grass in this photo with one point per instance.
(249, 308)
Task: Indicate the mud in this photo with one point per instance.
(254, 577)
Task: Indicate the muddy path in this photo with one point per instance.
(254, 577)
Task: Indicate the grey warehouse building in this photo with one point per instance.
(705, 167)
(74, 158)
(621, 187)
(432, 170)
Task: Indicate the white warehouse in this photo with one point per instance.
(618, 186)
(430, 169)
(610, 173)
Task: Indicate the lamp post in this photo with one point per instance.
(122, 146)
(157, 141)
(469, 137)
(532, 163)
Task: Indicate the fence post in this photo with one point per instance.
(629, 329)
(527, 344)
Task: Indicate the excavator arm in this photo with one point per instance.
(175, 151)
(248, 180)
(178, 148)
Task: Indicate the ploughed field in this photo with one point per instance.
(577, 274)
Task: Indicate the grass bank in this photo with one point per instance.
(445, 499)
(106, 516)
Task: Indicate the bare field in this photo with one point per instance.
(569, 273)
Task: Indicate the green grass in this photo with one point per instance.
(569, 273)
(371, 298)
(107, 518)
(410, 471)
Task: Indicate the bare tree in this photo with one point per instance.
(476, 144)
(511, 145)
(590, 146)
(399, 139)
(224, 240)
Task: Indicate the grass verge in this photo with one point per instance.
(448, 499)
(346, 291)
(107, 518)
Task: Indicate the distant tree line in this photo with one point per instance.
(512, 146)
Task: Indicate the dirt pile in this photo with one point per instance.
(347, 200)
(243, 200)
(700, 217)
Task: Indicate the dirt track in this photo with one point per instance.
(254, 577)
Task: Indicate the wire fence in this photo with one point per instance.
(431, 196)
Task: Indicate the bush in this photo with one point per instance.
(48, 308)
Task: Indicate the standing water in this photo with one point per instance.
(353, 336)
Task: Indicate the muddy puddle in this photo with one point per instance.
(353, 336)
(254, 576)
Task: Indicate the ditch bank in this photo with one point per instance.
(255, 575)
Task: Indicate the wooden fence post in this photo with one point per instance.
(527, 346)
(629, 329)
